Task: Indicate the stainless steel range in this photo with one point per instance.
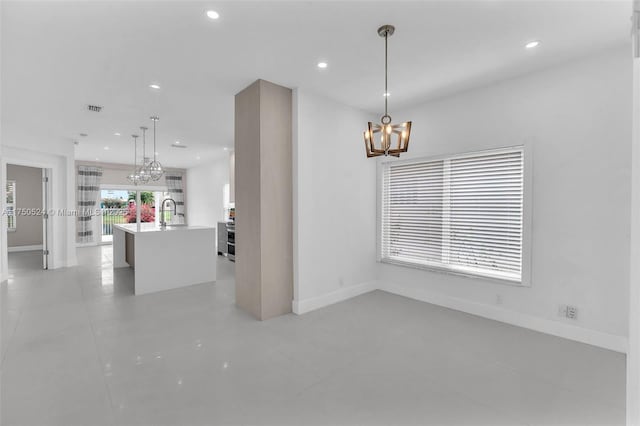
(231, 240)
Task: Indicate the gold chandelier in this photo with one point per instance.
(393, 139)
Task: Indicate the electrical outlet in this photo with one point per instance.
(498, 299)
(568, 311)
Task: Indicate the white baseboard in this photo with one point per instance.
(24, 248)
(92, 244)
(555, 328)
(307, 305)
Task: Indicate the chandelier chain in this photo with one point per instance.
(386, 74)
(154, 140)
(135, 153)
(144, 143)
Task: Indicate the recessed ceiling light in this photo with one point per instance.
(178, 142)
(225, 148)
(212, 14)
(97, 159)
(198, 157)
(322, 65)
(116, 134)
(106, 148)
(386, 94)
(154, 86)
(532, 44)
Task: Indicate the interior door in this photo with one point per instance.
(45, 218)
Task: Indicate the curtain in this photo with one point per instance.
(88, 181)
(176, 191)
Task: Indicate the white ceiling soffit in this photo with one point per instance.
(58, 57)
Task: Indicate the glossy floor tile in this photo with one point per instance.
(78, 348)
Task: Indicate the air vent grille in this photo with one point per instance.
(173, 145)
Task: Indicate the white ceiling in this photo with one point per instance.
(57, 57)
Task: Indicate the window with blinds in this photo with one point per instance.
(462, 213)
(11, 205)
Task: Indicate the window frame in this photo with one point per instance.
(12, 205)
(527, 154)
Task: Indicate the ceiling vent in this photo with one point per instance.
(94, 108)
(175, 145)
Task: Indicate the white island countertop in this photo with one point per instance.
(165, 258)
(133, 228)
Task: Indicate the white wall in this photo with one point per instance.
(205, 192)
(334, 203)
(114, 175)
(4, 269)
(633, 355)
(575, 120)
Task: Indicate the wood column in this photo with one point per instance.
(263, 200)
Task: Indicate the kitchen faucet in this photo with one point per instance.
(163, 221)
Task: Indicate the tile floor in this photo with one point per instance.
(78, 348)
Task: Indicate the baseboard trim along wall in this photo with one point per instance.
(24, 248)
(307, 305)
(555, 328)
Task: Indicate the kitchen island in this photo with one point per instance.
(165, 258)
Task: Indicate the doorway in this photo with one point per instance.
(27, 211)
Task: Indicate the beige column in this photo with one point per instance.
(263, 200)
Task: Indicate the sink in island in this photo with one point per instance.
(165, 258)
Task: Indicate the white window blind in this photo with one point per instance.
(461, 213)
(11, 205)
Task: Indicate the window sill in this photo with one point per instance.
(450, 271)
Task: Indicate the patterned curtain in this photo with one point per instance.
(88, 181)
(176, 191)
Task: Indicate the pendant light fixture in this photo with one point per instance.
(386, 138)
(134, 177)
(143, 172)
(154, 168)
